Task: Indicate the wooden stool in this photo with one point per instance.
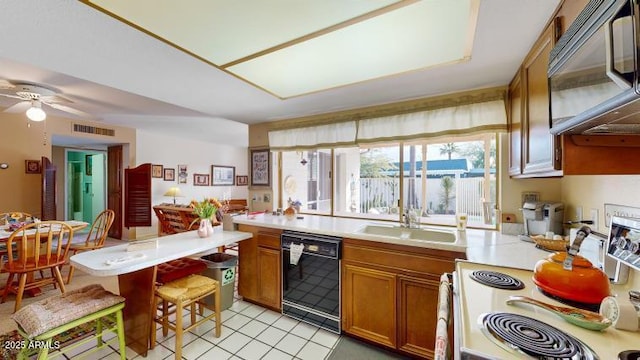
(183, 292)
(39, 323)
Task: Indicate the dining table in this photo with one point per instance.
(5, 233)
(135, 265)
(76, 225)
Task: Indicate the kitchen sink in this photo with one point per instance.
(398, 232)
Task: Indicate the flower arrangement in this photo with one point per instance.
(205, 209)
(294, 204)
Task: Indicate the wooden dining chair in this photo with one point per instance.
(35, 248)
(95, 238)
(5, 217)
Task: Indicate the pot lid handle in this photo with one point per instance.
(575, 247)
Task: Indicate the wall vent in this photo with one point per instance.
(93, 130)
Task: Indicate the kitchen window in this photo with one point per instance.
(436, 178)
(306, 178)
(449, 176)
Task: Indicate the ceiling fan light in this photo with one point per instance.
(35, 112)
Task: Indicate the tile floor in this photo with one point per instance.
(248, 332)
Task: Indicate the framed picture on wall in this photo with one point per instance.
(88, 164)
(32, 166)
(260, 168)
(156, 171)
(223, 175)
(169, 174)
(242, 180)
(200, 179)
(182, 174)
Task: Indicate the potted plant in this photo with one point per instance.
(205, 210)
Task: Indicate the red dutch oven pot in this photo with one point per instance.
(584, 283)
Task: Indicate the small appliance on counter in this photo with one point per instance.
(541, 218)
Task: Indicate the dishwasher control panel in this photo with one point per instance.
(321, 245)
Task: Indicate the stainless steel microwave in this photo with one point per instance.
(593, 72)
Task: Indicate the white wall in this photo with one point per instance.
(593, 191)
(171, 151)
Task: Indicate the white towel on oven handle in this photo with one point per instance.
(441, 351)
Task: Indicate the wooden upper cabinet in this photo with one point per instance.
(540, 149)
(514, 123)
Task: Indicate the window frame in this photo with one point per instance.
(424, 142)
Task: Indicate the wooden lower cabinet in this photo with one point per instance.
(269, 288)
(390, 294)
(260, 275)
(418, 300)
(369, 304)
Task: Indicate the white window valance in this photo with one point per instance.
(342, 133)
(457, 120)
(482, 117)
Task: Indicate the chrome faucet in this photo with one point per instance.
(406, 219)
(409, 219)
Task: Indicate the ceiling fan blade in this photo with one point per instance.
(71, 110)
(19, 107)
(55, 99)
(13, 96)
(4, 84)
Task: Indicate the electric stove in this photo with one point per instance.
(483, 320)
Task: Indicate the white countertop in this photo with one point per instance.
(102, 262)
(484, 246)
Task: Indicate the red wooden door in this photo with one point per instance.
(137, 201)
(114, 188)
(48, 197)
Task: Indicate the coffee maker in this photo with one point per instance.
(542, 217)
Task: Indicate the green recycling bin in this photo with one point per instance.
(221, 267)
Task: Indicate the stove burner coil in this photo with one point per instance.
(497, 280)
(532, 337)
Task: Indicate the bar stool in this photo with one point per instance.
(176, 269)
(42, 323)
(186, 292)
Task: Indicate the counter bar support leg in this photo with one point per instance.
(138, 290)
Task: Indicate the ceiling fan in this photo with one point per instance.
(32, 98)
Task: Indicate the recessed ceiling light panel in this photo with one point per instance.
(290, 48)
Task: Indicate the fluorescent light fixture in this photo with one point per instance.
(35, 112)
(292, 48)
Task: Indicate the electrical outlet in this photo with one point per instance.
(594, 217)
(579, 213)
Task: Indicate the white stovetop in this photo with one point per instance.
(479, 299)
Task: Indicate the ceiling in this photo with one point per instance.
(125, 76)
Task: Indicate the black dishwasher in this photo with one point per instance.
(311, 281)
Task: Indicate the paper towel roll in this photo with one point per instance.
(628, 316)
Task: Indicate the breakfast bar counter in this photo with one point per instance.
(136, 271)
